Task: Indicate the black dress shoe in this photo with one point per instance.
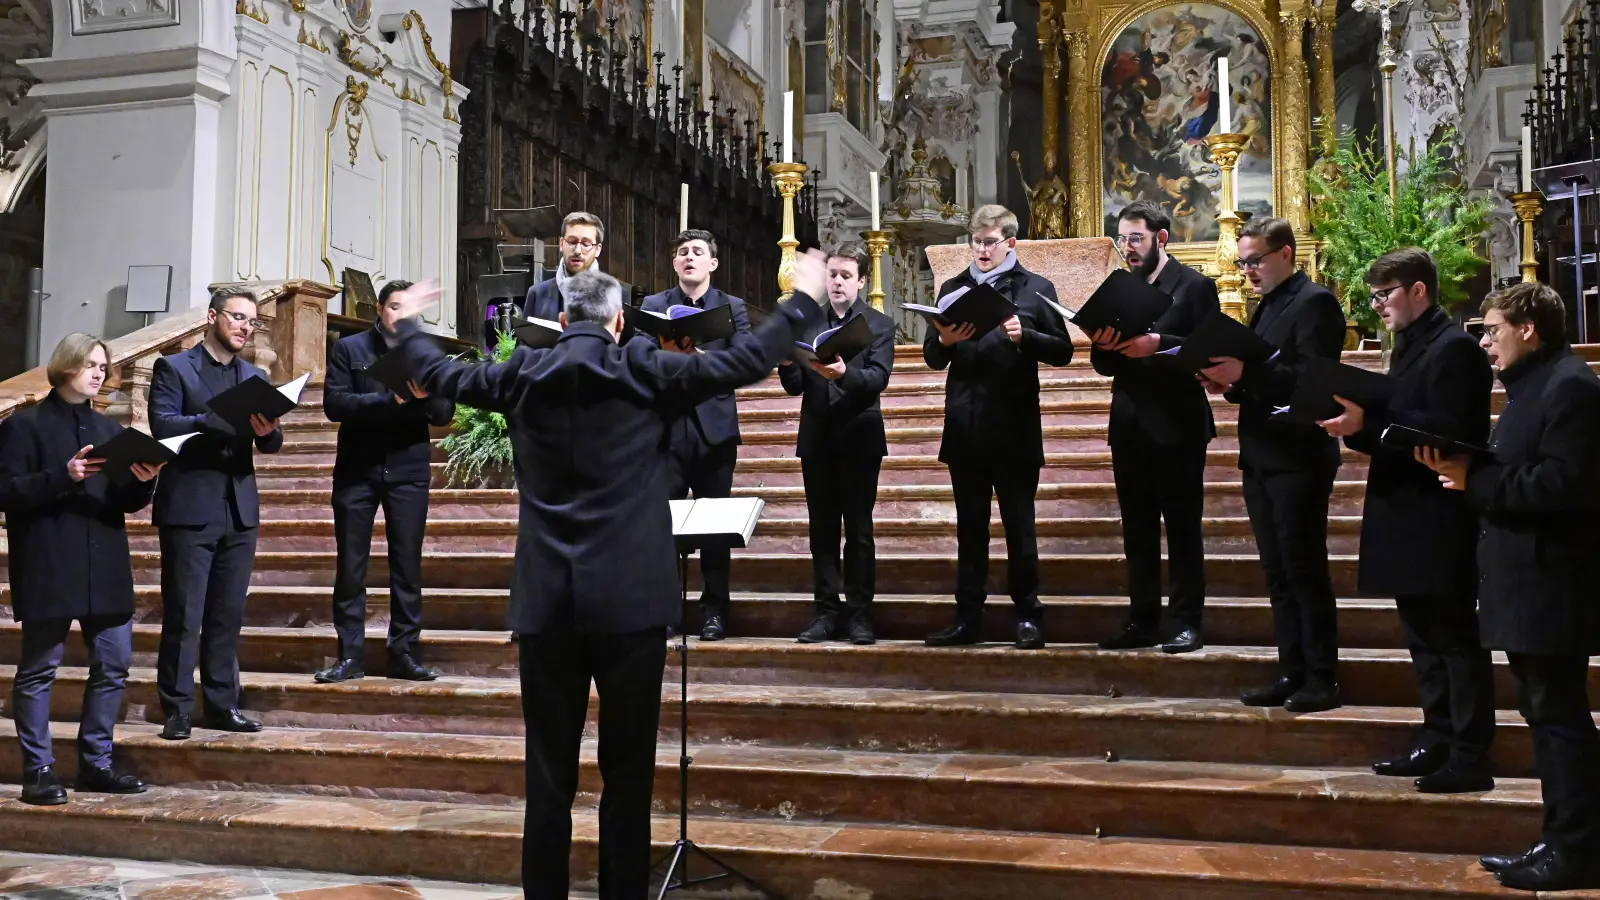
(1029, 635)
(1185, 641)
(821, 629)
(40, 788)
(404, 666)
(714, 629)
(232, 720)
(1453, 779)
(1129, 638)
(343, 670)
(107, 780)
(1274, 694)
(959, 634)
(1312, 698)
(1499, 864)
(177, 727)
(1420, 761)
(1555, 870)
(861, 630)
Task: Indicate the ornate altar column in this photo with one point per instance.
(1082, 132)
(1323, 82)
(1296, 119)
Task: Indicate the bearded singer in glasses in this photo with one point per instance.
(582, 234)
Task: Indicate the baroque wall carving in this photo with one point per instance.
(98, 16)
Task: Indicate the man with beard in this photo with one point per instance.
(384, 458)
(582, 235)
(1417, 538)
(1160, 426)
(704, 441)
(993, 437)
(1288, 467)
(206, 513)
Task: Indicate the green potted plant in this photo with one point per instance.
(1356, 222)
(478, 449)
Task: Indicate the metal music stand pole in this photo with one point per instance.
(677, 861)
(1575, 183)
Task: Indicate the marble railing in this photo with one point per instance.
(291, 342)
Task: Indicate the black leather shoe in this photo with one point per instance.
(1555, 870)
(1420, 761)
(961, 633)
(1029, 635)
(1453, 779)
(177, 728)
(232, 720)
(1274, 694)
(821, 629)
(1499, 864)
(404, 666)
(1129, 638)
(1313, 698)
(715, 627)
(40, 788)
(1185, 641)
(107, 780)
(343, 670)
(861, 630)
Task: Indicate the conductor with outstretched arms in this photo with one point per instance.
(595, 581)
(993, 440)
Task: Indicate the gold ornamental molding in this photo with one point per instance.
(256, 11)
(353, 111)
(447, 85)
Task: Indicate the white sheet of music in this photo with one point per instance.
(715, 521)
(293, 389)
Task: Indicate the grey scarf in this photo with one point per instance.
(979, 277)
(562, 278)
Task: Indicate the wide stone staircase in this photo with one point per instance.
(827, 771)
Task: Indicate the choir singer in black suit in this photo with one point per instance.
(69, 560)
(1539, 567)
(595, 585)
(1160, 426)
(384, 458)
(582, 238)
(993, 436)
(206, 512)
(705, 439)
(841, 446)
(1418, 539)
(1289, 467)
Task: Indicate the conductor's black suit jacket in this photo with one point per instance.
(587, 422)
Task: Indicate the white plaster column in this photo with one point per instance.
(987, 148)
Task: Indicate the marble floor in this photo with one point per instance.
(26, 876)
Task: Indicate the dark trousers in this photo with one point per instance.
(1553, 695)
(205, 573)
(1156, 483)
(1013, 485)
(109, 640)
(1455, 677)
(1289, 516)
(842, 489)
(556, 670)
(405, 516)
(705, 471)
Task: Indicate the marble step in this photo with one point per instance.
(1223, 535)
(1171, 729)
(1099, 574)
(799, 859)
(1328, 808)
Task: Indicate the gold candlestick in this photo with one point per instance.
(790, 177)
(1528, 204)
(878, 247)
(1225, 150)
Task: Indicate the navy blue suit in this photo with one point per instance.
(543, 301)
(705, 443)
(206, 511)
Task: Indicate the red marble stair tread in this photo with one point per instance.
(1138, 867)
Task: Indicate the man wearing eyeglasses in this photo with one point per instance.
(1160, 426)
(582, 235)
(206, 513)
(993, 440)
(1417, 538)
(1288, 467)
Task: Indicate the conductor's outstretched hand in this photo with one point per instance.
(811, 275)
(414, 299)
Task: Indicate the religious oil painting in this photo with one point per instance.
(1159, 100)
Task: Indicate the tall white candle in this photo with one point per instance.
(788, 126)
(1527, 158)
(872, 179)
(1225, 121)
(683, 207)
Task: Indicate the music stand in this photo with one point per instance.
(712, 523)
